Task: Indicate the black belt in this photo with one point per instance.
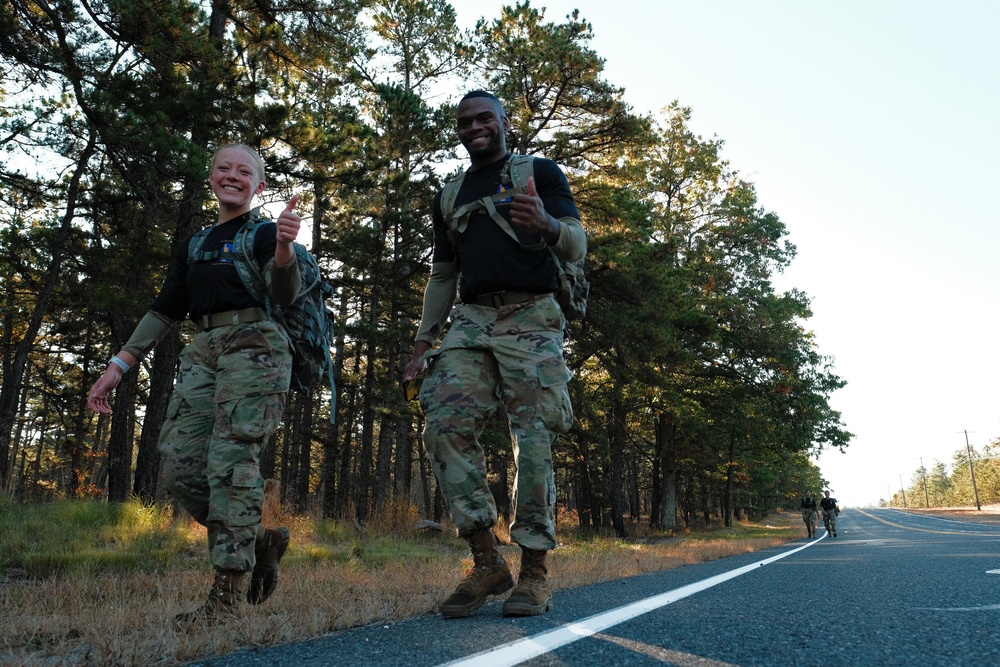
(229, 318)
(507, 298)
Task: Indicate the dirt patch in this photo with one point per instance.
(988, 514)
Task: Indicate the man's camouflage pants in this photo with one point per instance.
(830, 521)
(226, 404)
(511, 354)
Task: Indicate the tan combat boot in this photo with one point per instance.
(533, 595)
(223, 602)
(489, 575)
(268, 550)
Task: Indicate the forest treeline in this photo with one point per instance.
(972, 479)
(698, 390)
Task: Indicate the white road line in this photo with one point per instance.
(517, 652)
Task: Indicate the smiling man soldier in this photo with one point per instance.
(504, 345)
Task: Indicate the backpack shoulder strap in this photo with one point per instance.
(246, 262)
(448, 195)
(521, 168)
(516, 171)
(195, 252)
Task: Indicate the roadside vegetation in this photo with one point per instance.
(91, 583)
(958, 484)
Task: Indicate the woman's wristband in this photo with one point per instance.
(120, 363)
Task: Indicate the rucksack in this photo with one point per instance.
(307, 320)
(573, 285)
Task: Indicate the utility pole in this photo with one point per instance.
(902, 491)
(923, 471)
(972, 470)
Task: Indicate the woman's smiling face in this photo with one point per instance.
(235, 179)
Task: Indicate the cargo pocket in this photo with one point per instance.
(553, 396)
(246, 495)
(252, 419)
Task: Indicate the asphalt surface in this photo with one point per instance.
(891, 589)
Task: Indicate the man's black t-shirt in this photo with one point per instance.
(828, 504)
(489, 259)
(212, 287)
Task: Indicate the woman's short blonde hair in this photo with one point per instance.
(258, 162)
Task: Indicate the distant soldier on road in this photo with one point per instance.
(830, 511)
(808, 507)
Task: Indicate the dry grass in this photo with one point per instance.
(987, 514)
(334, 577)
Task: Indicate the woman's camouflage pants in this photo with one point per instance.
(226, 404)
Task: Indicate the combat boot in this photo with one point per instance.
(222, 605)
(533, 595)
(489, 575)
(269, 548)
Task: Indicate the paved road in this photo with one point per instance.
(891, 589)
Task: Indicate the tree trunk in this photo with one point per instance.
(344, 488)
(328, 472)
(363, 499)
(14, 375)
(727, 500)
(161, 381)
(121, 440)
(382, 491)
(302, 435)
(402, 478)
(665, 480)
(586, 502)
(635, 502)
(616, 443)
(334, 493)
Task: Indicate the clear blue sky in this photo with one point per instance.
(872, 129)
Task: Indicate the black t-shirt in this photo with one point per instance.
(489, 259)
(828, 504)
(209, 287)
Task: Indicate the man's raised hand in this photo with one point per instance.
(528, 212)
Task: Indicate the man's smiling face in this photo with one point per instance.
(482, 128)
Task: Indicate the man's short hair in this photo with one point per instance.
(472, 94)
(480, 93)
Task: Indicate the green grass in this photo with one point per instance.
(88, 537)
(739, 531)
(91, 537)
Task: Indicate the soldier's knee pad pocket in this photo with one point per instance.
(553, 378)
(247, 495)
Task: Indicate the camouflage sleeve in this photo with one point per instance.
(151, 329)
(572, 243)
(439, 297)
(283, 282)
